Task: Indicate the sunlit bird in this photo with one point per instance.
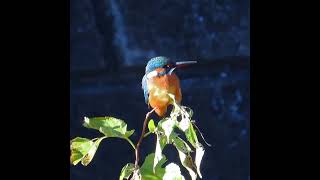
(159, 81)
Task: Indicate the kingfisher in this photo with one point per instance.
(159, 81)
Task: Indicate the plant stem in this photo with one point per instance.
(94, 139)
(131, 143)
(201, 135)
(147, 134)
(137, 150)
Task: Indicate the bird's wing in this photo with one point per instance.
(145, 89)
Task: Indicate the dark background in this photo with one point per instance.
(110, 43)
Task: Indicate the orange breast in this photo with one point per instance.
(159, 88)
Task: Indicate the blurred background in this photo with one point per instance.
(111, 42)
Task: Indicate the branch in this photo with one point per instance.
(137, 151)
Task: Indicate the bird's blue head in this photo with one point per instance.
(157, 62)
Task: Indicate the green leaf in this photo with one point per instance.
(187, 162)
(199, 155)
(146, 169)
(126, 171)
(164, 133)
(109, 126)
(75, 157)
(109, 132)
(81, 144)
(185, 117)
(79, 148)
(129, 133)
(151, 126)
(167, 125)
(180, 144)
(83, 150)
(161, 143)
(192, 136)
(173, 172)
(89, 156)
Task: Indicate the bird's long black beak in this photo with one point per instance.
(184, 63)
(181, 64)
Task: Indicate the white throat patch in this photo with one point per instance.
(152, 74)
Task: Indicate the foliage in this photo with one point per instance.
(166, 131)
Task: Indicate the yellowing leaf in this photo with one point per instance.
(89, 156)
(83, 150)
(126, 171)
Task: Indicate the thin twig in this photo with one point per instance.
(201, 134)
(137, 151)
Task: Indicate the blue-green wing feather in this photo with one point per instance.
(145, 89)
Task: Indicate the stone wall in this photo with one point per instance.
(110, 43)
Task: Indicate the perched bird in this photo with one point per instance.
(159, 81)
